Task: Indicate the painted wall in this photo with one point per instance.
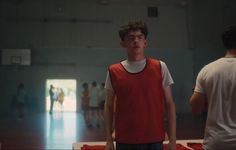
(78, 39)
(208, 22)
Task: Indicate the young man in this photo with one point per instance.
(141, 87)
(216, 85)
(21, 100)
(94, 103)
(53, 97)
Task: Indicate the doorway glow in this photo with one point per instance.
(66, 95)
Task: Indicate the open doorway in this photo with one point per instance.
(65, 95)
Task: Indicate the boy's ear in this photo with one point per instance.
(146, 43)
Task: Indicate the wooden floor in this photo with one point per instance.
(61, 129)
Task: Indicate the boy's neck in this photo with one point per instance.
(231, 53)
(136, 58)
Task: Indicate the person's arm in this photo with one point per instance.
(108, 118)
(171, 116)
(198, 102)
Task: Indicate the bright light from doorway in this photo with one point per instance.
(66, 95)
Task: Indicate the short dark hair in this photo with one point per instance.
(133, 26)
(229, 37)
(85, 85)
(94, 83)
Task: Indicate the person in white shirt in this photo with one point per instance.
(216, 87)
(94, 103)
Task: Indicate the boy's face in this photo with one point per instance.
(134, 42)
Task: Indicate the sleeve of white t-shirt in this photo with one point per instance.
(199, 82)
(108, 85)
(167, 79)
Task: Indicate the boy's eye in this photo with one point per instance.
(133, 37)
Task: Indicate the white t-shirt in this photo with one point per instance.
(102, 94)
(137, 66)
(218, 81)
(94, 96)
